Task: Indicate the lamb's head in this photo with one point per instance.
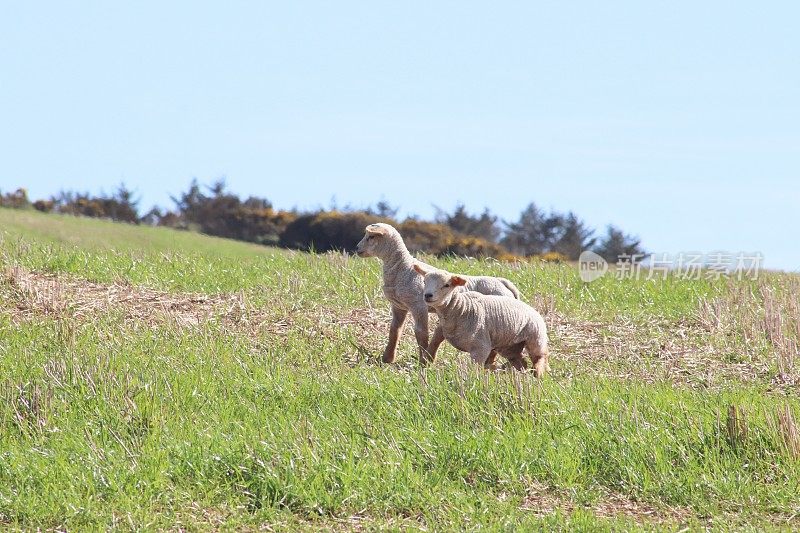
(439, 285)
(380, 240)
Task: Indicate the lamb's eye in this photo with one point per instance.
(446, 285)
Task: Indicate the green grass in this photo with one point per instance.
(107, 421)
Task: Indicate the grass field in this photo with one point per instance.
(155, 379)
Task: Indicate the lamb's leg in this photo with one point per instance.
(436, 341)
(518, 363)
(539, 353)
(481, 354)
(396, 327)
(490, 364)
(421, 333)
(514, 356)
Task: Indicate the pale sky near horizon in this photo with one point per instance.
(679, 121)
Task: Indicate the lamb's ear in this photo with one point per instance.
(375, 229)
(458, 281)
(419, 269)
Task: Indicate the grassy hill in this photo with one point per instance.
(159, 379)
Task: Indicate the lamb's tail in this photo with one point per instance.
(513, 288)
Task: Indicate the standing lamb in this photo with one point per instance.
(486, 325)
(403, 287)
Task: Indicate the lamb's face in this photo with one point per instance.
(439, 286)
(378, 240)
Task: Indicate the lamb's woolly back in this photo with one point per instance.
(511, 287)
(488, 285)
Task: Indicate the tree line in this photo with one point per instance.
(214, 210)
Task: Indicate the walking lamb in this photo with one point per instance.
(486, 325)
(402, 286)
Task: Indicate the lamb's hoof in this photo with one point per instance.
(388, 359)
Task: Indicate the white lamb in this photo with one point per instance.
(486, 325)
(403, 287)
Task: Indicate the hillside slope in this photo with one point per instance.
(160, 379)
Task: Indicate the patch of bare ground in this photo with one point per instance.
(30, 294)
(543, 501)
(364, 522)
(220, 518)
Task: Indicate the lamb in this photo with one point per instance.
(485, 325)
(403, 288)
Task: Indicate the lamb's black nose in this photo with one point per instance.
(428, 295)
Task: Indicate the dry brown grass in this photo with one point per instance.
(31, 295)
(750, 335)
(786, 426)
(651, 351)
(759, 323)
(58, 296)
(544, 501)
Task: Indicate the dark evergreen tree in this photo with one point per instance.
(574, 236)
(534, 233)
(484, 225)
(616, 244)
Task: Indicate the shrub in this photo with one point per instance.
(262, 226)
(553, 257)
(120, 206)
(15, 200)
(421, 236)
(223, 214)
(327, 230)
(474, 247)
(45, 206)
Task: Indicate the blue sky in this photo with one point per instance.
(678, 121)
